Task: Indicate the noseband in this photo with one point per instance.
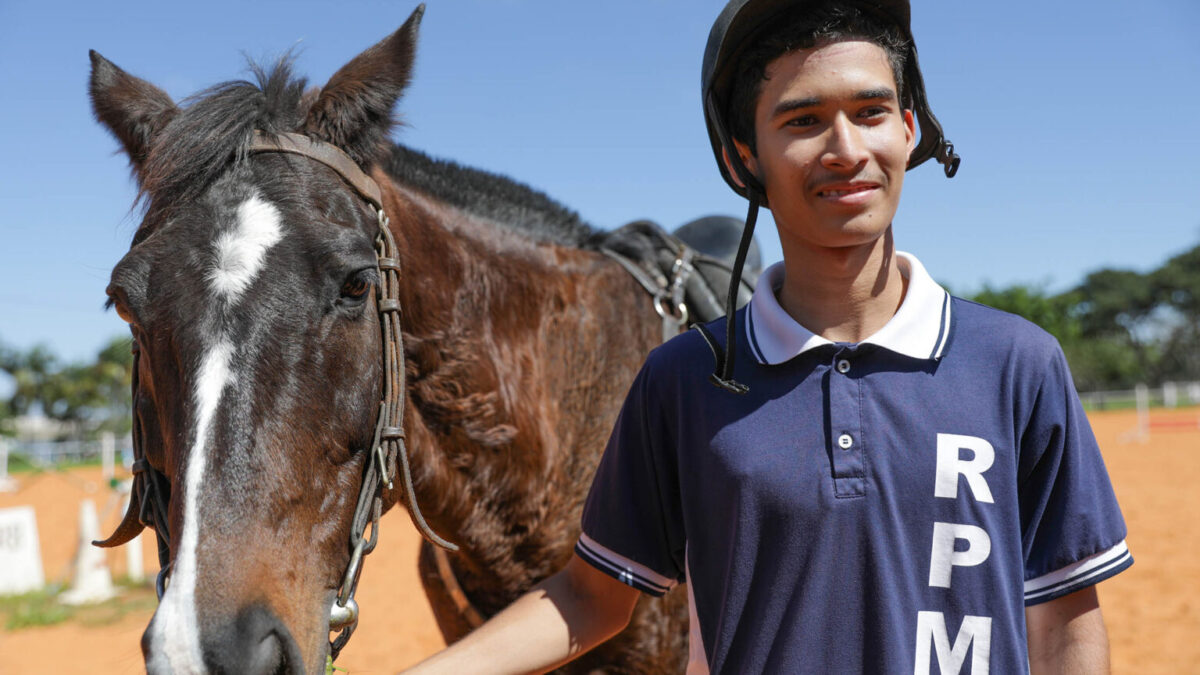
(151, 488)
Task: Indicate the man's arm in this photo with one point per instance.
(559, 619)
(1067, 635)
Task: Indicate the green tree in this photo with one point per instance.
(30, 372)
(1177, 288)
(1177, 283)
(87, 396)
(1118, 307)
(1053, 313)
(1120, 327)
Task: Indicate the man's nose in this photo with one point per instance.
(845, 148)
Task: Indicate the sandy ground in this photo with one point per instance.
(1152, 609)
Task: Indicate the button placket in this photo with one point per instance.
(846, 439)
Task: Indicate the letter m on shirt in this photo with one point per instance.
(974, 636)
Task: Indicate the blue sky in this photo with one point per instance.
(1073, 118)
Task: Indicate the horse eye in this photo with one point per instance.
(356, 287)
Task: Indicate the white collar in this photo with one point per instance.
(919, 329)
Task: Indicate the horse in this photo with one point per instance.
(252, 288)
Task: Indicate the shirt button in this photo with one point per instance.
(845, 441)
(843, 366)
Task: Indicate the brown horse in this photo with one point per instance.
(248, 288)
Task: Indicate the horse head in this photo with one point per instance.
(248, 290)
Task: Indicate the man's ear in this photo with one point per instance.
(910, 131)
(748, 160)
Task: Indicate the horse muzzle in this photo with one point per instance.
(254, 642)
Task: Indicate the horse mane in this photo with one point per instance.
(213, 129)
(493, 196)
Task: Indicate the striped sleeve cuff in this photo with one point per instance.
(1091, 570)
(622, 569)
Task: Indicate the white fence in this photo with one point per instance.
(50, 453)
(1168, 395)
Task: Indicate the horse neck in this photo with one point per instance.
(483, 422)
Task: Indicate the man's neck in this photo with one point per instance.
(843, 294)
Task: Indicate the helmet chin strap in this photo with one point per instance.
(722, 375)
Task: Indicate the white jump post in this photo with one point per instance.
(1141, 432)
(20, 551)
(108, 452)
(92, 580)
(6, 484)
(1170, 394)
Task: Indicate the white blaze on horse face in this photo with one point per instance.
(175, 646)
(240, 252)
(239, 257)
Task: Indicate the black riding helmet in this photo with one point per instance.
(734, 30)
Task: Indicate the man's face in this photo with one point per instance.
(833, 144)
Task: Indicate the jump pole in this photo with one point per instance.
(1141, 432)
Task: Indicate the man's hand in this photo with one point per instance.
(1067, 635)
(559, 619)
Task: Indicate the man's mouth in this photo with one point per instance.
(834, 192)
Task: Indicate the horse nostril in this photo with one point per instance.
(255, 642)
(267, 657)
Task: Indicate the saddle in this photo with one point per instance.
(687, 272)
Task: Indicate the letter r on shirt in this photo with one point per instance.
(950, 466)
(944, 558)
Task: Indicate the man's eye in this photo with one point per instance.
(803, 121)
(875, 111)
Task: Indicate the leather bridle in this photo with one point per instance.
(151, 488)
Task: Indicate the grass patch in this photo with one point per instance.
(18, 463)
(138, 599)
(1110, 405)
(36, 608)
(42, 608)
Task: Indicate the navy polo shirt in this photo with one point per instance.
(888, 506)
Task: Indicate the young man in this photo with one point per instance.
(909, 483)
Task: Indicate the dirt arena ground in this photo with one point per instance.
(1152, 610)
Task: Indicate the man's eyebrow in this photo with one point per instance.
(883, 93)
(794, 104)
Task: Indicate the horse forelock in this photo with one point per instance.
(212, 132)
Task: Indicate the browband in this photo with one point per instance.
(325, 153)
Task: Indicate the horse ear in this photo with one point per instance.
(354, 110)
(134, 110)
